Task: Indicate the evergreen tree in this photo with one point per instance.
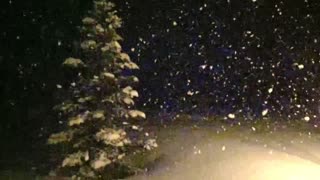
(101, 126)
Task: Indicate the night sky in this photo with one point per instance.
(224, 56)
(249, 55)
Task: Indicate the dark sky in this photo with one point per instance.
(231, 52)
(224, 54)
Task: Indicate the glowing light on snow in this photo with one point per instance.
(290, 169)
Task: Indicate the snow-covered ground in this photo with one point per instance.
(237, 154)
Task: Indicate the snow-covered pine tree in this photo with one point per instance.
(100, 119)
